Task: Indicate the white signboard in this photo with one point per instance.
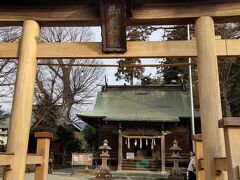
(130, 155)
(82, 159)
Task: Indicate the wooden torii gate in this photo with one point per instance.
(206, 48)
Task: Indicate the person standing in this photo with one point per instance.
(50, 163)
(192, 167)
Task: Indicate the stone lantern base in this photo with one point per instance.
(104, 173)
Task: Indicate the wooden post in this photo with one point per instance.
(199, 155)
(163, 171)
(209, 95)
(119, 149)
(22, 101)
(43, 145)
(231, 126)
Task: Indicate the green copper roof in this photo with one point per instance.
(140, 103)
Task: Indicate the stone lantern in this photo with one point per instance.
(104, 171)
(175, 157)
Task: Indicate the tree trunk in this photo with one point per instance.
(64, 155)
(68, 95)
(131, 80)
(225, 103)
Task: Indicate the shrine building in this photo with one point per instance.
(135, 118)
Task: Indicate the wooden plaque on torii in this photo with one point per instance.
(113, 24)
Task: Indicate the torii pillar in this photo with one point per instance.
(22, 101)
(209, 96)
(163, 155)
(120, 156)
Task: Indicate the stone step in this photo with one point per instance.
(140, 178)
(139, 175)
(132, 163)
(141, 164)
(140, 169)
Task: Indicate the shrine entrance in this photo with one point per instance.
(143, 146)
(113, 16)
(145, 151)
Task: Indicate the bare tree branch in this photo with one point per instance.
(69, 86)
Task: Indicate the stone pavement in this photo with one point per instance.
(62, 174)
(59, 176)
(30, 176)
(65, 174)
(80, 174)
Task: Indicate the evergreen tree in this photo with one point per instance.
(46, 118)
(89, 133)
(128, 73)
(229, 71)
(176, 74)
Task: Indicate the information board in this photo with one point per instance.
(130, 155)
(85, 159)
